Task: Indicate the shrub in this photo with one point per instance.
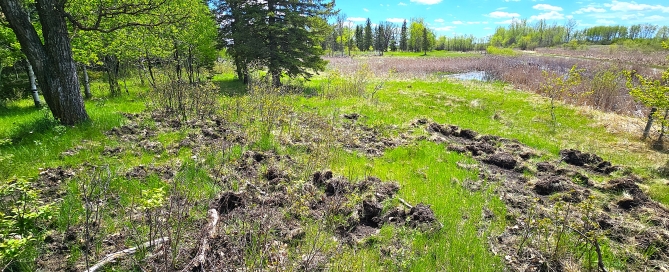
(22, 218)
(500, 51)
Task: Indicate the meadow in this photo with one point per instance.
(380, 163)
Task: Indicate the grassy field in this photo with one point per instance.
(157, 175)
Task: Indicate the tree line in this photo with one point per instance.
(521, 34)
(411, 36)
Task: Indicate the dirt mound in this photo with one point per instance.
(501, 159)
(617, 211)
(50, 180)
(587, 160)
(141, 172)
(228, 201)
(253, 216)
(552, 184)
(421, 214)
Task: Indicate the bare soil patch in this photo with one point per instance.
(550, 200)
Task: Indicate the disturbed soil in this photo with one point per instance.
(270, 217)
(264, 219)
(580, 198)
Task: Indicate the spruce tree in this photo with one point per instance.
(284, 34)
(359, 42)
(403, 37)
(368, 40)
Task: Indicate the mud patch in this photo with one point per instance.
(50, 180)
(587, 160)
(250, 216)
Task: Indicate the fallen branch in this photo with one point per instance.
(208, 232)
(113, 256)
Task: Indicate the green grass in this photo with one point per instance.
(427, 173)
(38, 141)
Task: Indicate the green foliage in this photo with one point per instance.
(282, 36)
(653, 93)
(493, 50)
(420, 37)
(22, 218)
(557, 85)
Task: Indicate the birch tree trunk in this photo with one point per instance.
(87, 82)
(33, 86)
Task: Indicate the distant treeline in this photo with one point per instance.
(521, 34)
(412, 36)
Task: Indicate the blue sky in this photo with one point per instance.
(481, 17)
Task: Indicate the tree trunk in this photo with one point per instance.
(140, 71)
(649, 124)
(1, 77)
(87, 82)
(189, 65)
(176, 61)
(112, 67)
(273, 45)
(33, 85)
(52, 61)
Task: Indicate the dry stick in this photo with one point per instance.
(209, 231)
(111, 257)
(256, 188)
(405, 203)
(600, 261)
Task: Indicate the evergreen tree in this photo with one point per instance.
(368, 39)
(404, 37)
(359, 38)
(425, 42)
(281, 35)
(378, 38)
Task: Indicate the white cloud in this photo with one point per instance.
(487, 28)
(439, 20)
(401, 4)
(629, 6)
(444, 28)
(426, 2)
(356, 19)
(502, 8)
(589, 9)
(366, 10)
(546, 7)
(457, 22)
(395, 20)
(553, 15)
(605, 22)
(503, 14)
(511, 0)
(473, 23)
(656, 18)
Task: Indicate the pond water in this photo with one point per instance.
(474, 75)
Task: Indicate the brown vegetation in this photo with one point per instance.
(603, 85)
